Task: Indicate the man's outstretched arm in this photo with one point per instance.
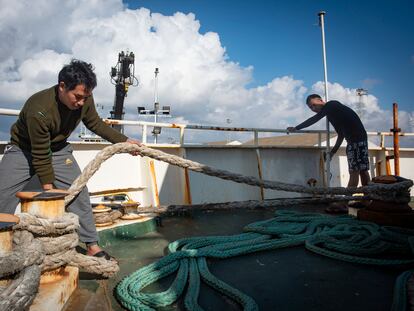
(310, 121)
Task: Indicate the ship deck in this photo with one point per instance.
(285, 279)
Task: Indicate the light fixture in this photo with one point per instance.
(156, 130)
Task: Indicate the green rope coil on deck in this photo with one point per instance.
(343, 238)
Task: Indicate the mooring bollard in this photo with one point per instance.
(56, 286)
(49, 205)
(7, 221)
(397, 213)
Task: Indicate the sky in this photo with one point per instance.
(250, 63)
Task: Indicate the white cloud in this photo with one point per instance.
(197, 78)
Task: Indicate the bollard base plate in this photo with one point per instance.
(53, 296)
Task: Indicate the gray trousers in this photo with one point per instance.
(16, 171)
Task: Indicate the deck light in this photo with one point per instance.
(164, 112)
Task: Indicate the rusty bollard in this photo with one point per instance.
(57, 285)
(387, 213)
(7, 221)
(50, 205)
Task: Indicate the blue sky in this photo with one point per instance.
(370, 44)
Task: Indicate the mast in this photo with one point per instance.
(321, 15)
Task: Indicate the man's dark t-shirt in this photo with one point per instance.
(345, 121)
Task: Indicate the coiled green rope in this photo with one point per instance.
(343, 238)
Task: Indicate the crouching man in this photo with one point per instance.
(38, 145)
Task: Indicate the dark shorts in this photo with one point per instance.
(357, 154)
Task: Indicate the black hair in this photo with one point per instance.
(77, 73)
(310, 97)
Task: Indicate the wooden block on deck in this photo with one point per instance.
(53, 296)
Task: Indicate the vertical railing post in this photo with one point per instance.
(396, 131)
(144, 134)
(182, 136)
(382, 141)
(256, 138)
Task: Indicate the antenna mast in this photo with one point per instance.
(122, 76)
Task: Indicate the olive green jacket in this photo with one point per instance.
(44, 125)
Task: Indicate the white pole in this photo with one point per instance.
(9, 112)
(321, 15)
(156, 101)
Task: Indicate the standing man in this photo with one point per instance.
(39, 145)
(349, 126)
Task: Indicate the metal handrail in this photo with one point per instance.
(182, 127)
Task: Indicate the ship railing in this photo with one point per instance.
(256, 131)
(183, 127)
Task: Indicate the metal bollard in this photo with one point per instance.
(56, 286)
(49, 205)
(7, 221)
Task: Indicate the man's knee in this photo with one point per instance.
(8, 203)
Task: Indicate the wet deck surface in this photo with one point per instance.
(286, 279)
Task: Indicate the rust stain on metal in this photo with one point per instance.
(187, 193)
(231, 129)
(154, 181)
(110, 122)
(396, 131)
(259, 167)
(114, 191)
(219, 128)
(387, 164)
(6, 245)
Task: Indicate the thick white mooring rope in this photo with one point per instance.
(396, 192)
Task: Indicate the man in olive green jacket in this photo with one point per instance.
(39, 145)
